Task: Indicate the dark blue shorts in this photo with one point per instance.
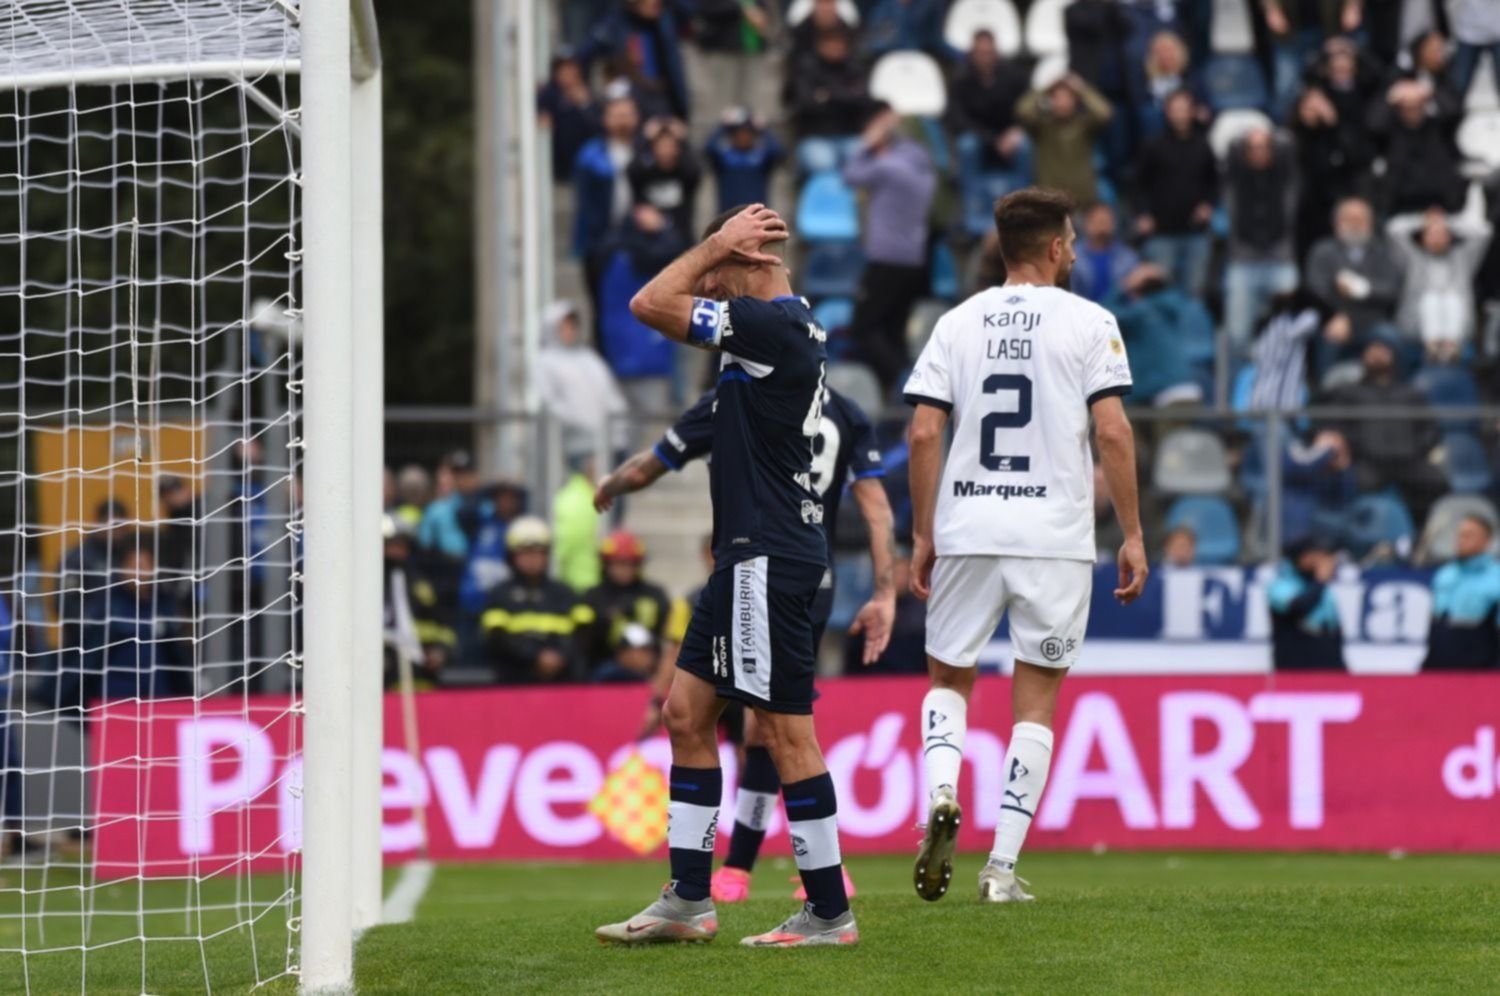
(752, 634)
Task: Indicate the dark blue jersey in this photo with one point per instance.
(844, 451)
(767, 410)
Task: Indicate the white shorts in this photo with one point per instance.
(1048, 602)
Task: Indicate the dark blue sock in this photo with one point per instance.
(812, 810)
(692, 818)
(754, 803)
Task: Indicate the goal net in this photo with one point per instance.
(150, 513)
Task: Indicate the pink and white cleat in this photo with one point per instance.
(807, 929)
(729, 885)
(801, 894)
(670, 919)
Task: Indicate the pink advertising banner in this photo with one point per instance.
(1278, 763)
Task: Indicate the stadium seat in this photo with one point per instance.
(1231, 32)
(801, 9)
(1484, 89)
(1239, 391)
(1465, 463)
(834, 313)
(818, 155)
(858, 383)
(1378, 522)
(1449, 387)
(1048, 71)
(1230, 125)
(1235, 82)
(911, 82)
(1045, 32)
(1479, 137)
(968, 16)
(1213, 524)
(832, 269)
(1440, 532)
(1191, 462)
(924, 315)
(944, 271)
(827, 210)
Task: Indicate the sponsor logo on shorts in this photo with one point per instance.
(721, 657)
(1052, 648)
(1005, 492)
(745, 610)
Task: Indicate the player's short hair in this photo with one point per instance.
(722, 219)
(1028, 220)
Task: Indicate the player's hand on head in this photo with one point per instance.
(875, 621)
(743, 235)
(1133, 571)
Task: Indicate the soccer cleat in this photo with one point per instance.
(801, 894)
(729, 885)
(934, 868)
(807, 929)
(1000, 885)
(665, 921)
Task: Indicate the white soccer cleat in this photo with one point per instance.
(668, 920)
(806, 929)
(1000, 885)
(934, 868)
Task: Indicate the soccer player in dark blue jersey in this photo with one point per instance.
(751, 635)
(844, 453)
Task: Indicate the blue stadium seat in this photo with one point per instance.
(1235, 82)
(944, 272)
(1448, 387)
(1465, 463)
(832, 269)
(827, 210)
(1212, 523)
(822, 153)
(1239, 390)
(1191, 462)
(1377, 520)
(834, 313)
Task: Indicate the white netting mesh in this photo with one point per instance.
(149, 507)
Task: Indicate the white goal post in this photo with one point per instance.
(191, 453)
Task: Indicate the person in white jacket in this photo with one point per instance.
(1441, 256)
(576, 385)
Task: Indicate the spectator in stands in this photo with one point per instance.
(413, 493)
(602, 188)
(86, 568)
(565, 106)
(830, 92)
(1157, 321)
(1391, 452)
(1103, 260)
(442, 527)
(1441, 260)
(1306, 633)
(488, 562)
(622, 599)
(177, 537)
(824, 16)
(906, 24)
(1422, 158)
(1177, 185)
(642, 360)
(1295, 29)
(576, 520)
(1063, 120)
(982, 107)
(1427, 62)
(729, 36)
(1166, 74)
(635, 657)
(1334, 152)
(743, 154)
(1466, 604)
(534, 625)
(1317, 484)
(1261, 201)
(575, 384)
(1180, 548)
(639, 38)
(1097, 31)
(1476, 28)
(665, 174)
(1280, 352)
(418, 620)
(133, 642)
(899, 181)
(1357, 276)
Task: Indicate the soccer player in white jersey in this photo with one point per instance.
(1020, 369)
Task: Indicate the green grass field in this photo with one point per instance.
(1117, 922)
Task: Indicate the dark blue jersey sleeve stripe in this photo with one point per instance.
(661, 454)
(1118, 391)
(921, 399)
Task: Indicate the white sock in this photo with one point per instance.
(1026, 764)
(945, 718)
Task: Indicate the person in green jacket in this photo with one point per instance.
(1064, 119)
(575, 525)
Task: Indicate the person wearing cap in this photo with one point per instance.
(742, 155)
(1306, 634)
(418, 621)
(534, 625)
(1466, 603)
(622, 599)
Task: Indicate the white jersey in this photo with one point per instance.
(1018, 367)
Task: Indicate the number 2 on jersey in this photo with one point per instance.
(993, 422)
